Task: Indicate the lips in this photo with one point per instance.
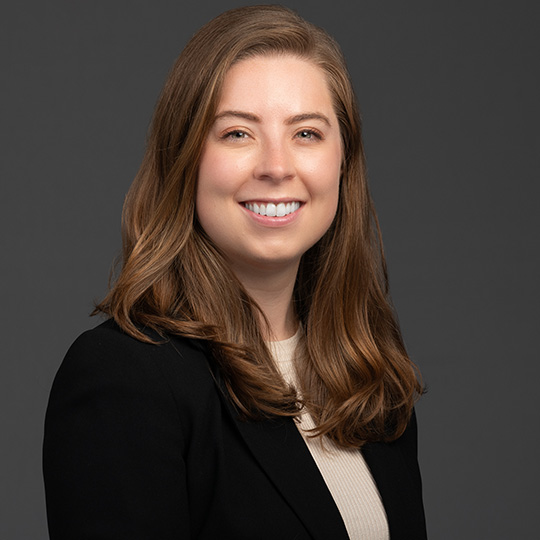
(273, 210)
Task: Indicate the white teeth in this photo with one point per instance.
(272, 210)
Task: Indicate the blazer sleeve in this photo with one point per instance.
(112, 455)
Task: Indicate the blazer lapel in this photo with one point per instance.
(282, 453)
(280, 450)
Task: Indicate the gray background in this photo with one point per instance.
(449, 95)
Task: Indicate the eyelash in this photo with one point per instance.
(313, 133)
(229, 134)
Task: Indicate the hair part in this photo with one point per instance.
(354, 374)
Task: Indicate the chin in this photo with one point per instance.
(265, 262)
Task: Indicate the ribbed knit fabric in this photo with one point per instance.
(344, 470)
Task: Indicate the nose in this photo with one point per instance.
(275, 162)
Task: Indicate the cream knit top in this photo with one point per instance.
(344, 470)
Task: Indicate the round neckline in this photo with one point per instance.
(294, 338)
(283, 350)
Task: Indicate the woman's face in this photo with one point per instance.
(268, 182)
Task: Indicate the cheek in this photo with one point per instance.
(329, 190)
(326, 175)
(219, 181)
(210, 170)
(210, 214)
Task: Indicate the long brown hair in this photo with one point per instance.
(354, 374)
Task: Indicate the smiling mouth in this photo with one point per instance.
(273, 210)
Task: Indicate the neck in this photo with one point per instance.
(273, 292)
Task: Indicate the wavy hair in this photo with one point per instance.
(354, 375)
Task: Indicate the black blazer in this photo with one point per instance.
(141, 442)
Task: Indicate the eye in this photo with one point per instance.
(235, 135)
(309, 134)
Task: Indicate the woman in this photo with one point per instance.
(251, 381)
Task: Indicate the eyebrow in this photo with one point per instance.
(307, 116)
(238, 114)
(290, 121)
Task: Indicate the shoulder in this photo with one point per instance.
(118, 430)
(105, 361)
(107, 348)
(108, 340)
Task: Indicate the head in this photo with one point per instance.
(187, 106)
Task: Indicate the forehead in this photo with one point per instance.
(286, 82)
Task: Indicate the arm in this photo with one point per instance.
(113, 464)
